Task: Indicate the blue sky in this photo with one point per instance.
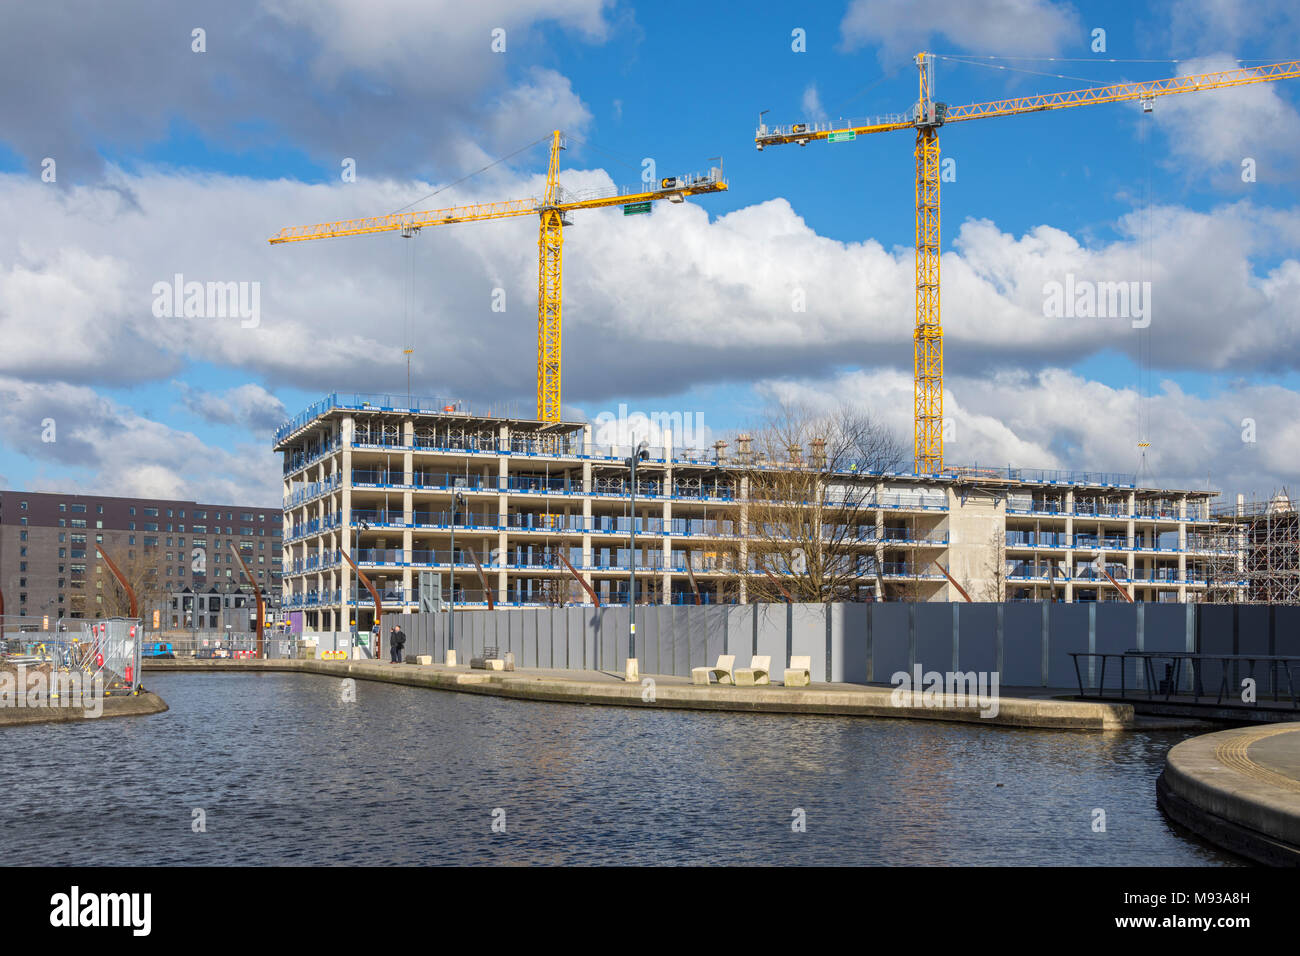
(176, 161)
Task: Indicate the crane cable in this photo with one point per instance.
(1144, 334)
(495, 162)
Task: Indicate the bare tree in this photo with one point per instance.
(994, 587)
(807, 492)
(143, 570)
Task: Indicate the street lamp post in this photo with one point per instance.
(632, 672)
(456, 499)
(362, 525)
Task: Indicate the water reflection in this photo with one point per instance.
(287, 772)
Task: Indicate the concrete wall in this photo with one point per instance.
(1028, 644)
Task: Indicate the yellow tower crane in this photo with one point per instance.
(552, 209)
(926, 117)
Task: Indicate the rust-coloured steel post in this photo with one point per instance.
(1118, 588)
(482, 577)
(691, 574)
(121, 579)
(379, 609)
(960, 590)
(595, 598)
(257, 593)
(780, 587)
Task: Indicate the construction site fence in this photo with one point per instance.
(1028, 644)
(107, 652)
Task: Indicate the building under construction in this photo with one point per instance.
(1258, 551)
(528, 513)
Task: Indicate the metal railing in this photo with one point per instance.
(1174, 675)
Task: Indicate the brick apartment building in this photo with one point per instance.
(50, 567)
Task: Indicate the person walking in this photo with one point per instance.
(397, 641)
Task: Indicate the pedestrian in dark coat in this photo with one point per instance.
(396, 644)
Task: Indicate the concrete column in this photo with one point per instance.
(1069, 552)
(743, 492)
(345, 511)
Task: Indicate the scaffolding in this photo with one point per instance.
(1260, 561)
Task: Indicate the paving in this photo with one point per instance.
(674, 692)
(1239, 788)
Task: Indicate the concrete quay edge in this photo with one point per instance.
(139, 705)
(1036, 713)
(1210, 786)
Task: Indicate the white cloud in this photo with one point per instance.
(247, 406)
(1058, 419)
(696, 300)
(812, 105)
(112, 450)
(1211, 132)
(1012, 27)
(400, 85)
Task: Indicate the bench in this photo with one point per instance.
(799, 673)
(757, 674)
(721, 671)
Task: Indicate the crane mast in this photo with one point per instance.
(926, 118)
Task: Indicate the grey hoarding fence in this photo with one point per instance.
(1027, 644)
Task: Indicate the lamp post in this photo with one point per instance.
(632, 671)
(456, 499)
(362, 525)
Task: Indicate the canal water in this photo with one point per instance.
(279, 769)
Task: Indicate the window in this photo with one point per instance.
(23, 522)
(62, 506)
(22, 506)
(246, 516)
(151, 512)
(133, 511)
(181, 513)
(62, 537)
(170, 514)
(99, 524)
(150, 542)
(22, 535)
(200, 514)
(78, 522)
(22, 551)
(99, 509)
(78, 539)
(99, 539)
(130, 526)
(203, 529)
(151, 526)
(130, 539)
(78, 509)
(180, 527)
(246, 530)
(63, 523)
